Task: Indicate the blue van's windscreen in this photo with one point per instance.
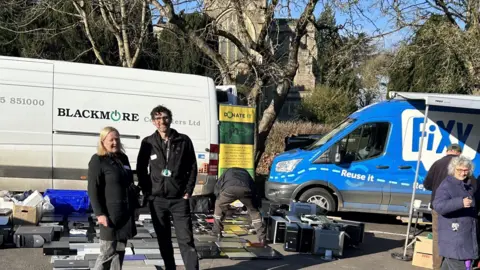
(347, 122)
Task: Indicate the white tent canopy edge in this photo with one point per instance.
(432, 99)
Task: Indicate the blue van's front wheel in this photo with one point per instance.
(320, 197)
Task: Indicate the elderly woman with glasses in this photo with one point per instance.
(457, 222)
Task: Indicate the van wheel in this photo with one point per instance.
(320, 197)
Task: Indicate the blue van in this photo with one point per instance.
(367, 163)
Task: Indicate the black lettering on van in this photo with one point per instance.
(61, 112)
(134, 117)
(126, 117)
(94, 114)
(86, 114)
(77, 114)
(104, 115)
(97, 114)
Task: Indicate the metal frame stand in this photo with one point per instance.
(404, 256)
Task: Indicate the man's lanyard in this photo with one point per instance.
(167, 154)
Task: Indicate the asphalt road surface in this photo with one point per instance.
(383, 235)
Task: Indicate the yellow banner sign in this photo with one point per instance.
(237, 114)
(237, 136)
(236, 155)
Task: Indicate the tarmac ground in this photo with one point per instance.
(383, 235)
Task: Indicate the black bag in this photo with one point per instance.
(136, 198)
(201, 204)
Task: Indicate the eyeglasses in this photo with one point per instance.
(158, 118)
(463, 170)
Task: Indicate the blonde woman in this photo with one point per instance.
(109, 188)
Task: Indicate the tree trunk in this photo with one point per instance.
(253, 101)
(269, 116)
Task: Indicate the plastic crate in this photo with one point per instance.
(68, 201)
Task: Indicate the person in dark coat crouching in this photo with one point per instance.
(110, 182)
(237, 184)
(455, 202)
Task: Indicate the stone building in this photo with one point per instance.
(279, 35)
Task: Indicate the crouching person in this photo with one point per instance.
(237, 184)
(455, 202)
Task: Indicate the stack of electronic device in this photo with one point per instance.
(6, 227)
(72, 241)
(77, 250)
(303, 229)
(234, 248)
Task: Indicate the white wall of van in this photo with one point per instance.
(52, 112)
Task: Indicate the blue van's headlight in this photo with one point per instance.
(287, 165)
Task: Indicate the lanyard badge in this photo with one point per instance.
(166, 172)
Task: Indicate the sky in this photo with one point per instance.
(372, 21)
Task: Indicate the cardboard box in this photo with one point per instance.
(26, 215)
(422, 260)
(422, 255)
(424, 245)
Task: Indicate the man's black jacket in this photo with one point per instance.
(437, 173)
(235, 177)
(182, 163)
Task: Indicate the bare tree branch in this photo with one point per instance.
(447, 12)
(126, 42)
(144, 25)
(79, 6)
(178, 24)
(266, 25)
(202, 45)
(80, 55)
(242, 25)
(108, 19)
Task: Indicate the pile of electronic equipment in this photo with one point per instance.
(69, 232)
(303, 229)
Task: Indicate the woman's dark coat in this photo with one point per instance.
(109, 179)
(457, 226)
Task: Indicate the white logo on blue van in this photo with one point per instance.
(463, 131)
(443, 129)
(354, 174)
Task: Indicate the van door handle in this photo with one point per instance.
(382, 167)
(404, 167)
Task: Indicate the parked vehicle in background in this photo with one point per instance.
(367, 163)
(52, 112)
(300, 141)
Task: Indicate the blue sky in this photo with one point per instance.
(372, 21)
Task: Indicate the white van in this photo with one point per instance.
(51, 113)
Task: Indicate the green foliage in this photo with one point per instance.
(37, 32)
(328, 42)
(327, 105)
(435, 61)
(178, 54)
(276, 139)
(63, 38)
(340, 59)
(9, 39)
